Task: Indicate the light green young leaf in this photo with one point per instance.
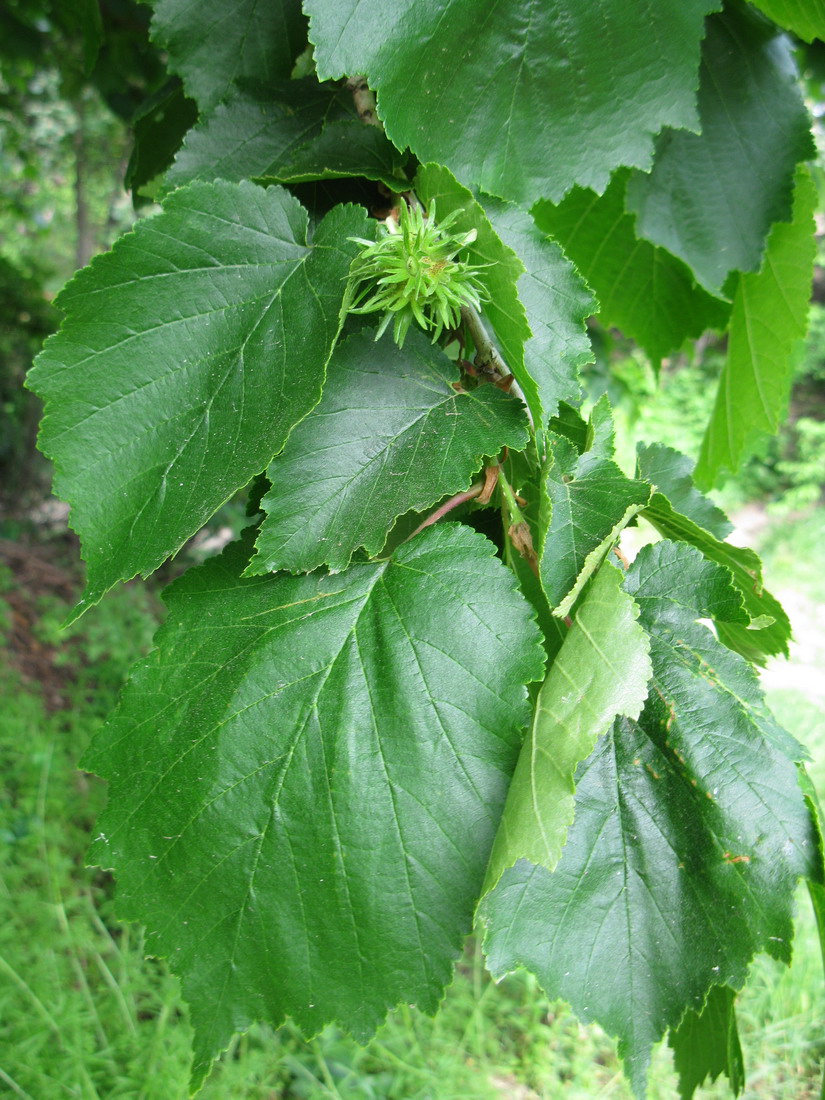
(804, 17)
(257, 130)
(176, 376)
(689, 834)
(650, 295)
(601, 671)
(769, 318)
(706, 1044)
(390, 435)
(211, 44)
(590, 502)
(712, 197)
(520, 99)
(672, 475)
(556, 302)
(306, 777)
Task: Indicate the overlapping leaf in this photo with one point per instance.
(770, 312)
(257, 131)
(213, 44)
(712, 197)
(158, 129)
(804, 17)
(590, 502)
(679, 511)
(557, 304)
(643, 290)
(689, 833)
(342, 150)
(303, 796)
(601, 671)
(389, 435)
(520, 99)
(706, 1044)
(186, 356)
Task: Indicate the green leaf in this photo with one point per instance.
(343, 150)
(643, 290)
(257, 131)
(769, 630)
(706, 1044)
(211, 44)
(390, 435)
(804, 17)
(520, 99)
(601, 671)
(557, 304)
(689, 833)
(712, 197)
(769, 319)
(187, 355)
(159, 128)
(591, 502)
(306, 777)
(671, 473)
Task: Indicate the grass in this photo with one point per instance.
(82, 1014)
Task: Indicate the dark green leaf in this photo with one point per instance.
(390, 435)
(602, 670)
(769, 318)
(643, 290)
(256, 131)
(343, 150)
(159, 128)
(706, 1044)
(804, 17)
(213, 44)
(175, 377)
(712, 197)
(689, 833)
(520, 99)
(671, 473)
(591, 502)
(306, 777)
(556, 302)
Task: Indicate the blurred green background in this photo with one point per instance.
(81, 1013)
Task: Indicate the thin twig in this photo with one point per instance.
(364, 99)
(488, 357)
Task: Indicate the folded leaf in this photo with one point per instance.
(520, 99)
(176, 375)
(390, 435)
(306, 777)
(342, 150)
(671, 473)
(601, 671)
(689, 833)
(770, 313)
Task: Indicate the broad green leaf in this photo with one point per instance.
(520, 99)
(712, 197)
(591, 502)
(257, 131)
(643, 290)
(306, 777)
(706, 1044)
(804, 17)
(158, 128)
(769, 631)
(689, 833)
(769, 318)
(212, 44)
(601, 671)
(187, 355)
(390, 435)
(671, 473)
(342, 150)
(557, 304)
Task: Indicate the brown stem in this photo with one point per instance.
(448, 505)
(364, 99)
